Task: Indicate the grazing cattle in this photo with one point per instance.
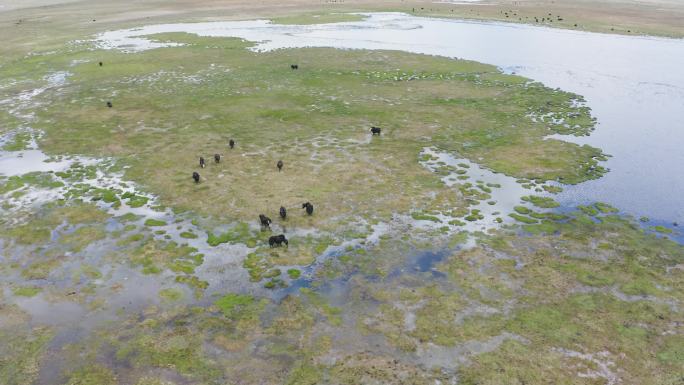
(277, 240)
(109, 104)
(280, 165)
(294, 66)
(202, 163)
(100, 64)
(283, 212)
(196, 176)
(217, 158)
(231, 143)
(375, 130)
(265, 221)
(309, 207)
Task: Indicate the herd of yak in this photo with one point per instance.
(276, 240)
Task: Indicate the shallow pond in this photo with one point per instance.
(633, 84)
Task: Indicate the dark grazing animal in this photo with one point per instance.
(196, 176)
(294, 66)
(309, 207)
(109, 104)
(202, 163)
(375, 130)
(231, 143)
(100, 64)
(283, 212)
(280, 165)
(265, 221)
(277, 240)
(217, 158)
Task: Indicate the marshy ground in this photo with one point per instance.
(435, 254)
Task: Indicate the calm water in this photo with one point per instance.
(634, 84)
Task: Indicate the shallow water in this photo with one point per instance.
(634, 85)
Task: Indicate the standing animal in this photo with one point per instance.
(309, 207)
(231, 143)
(375, 130)
(265, 221)
(217, 158)
(277, 240)
(202, 163)
(294, 66)
(100, 64)
(283, 212)
(280, 165)
(196, 176)
(109, 104)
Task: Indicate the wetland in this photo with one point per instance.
(479, 239)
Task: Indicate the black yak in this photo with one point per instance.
(283, 212)
(309, 207)
(217, 158)
(265, 221)
(294, 66)
(277, 240)
(202, 163)
(375, 130)
(196, 176)
(231, 143)
(109, 104)
(280, 165)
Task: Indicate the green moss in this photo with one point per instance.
(26, 291)
(154, 222)
(424, 217)
(332, 313)
(134, 200)
(40, 269)
(188, 235)
(605, 208)
(662, 229)
(239, 233)
(193, 282)
(672, 351)
(523, 219)
(589, 210)
(294, 273)
(92, 375)
(305, 374)
(522, 210)
(21, 354)
(543, 202)
(233, 303)
(171, 294)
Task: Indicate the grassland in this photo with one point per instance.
(173, 105)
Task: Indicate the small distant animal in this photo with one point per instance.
(231, 143)
(196, 176)
(109, 104)
(265, 221)
(375, 130)
(202, 163)
(280, 165)
(283, 212)
(294, 66)
(309, 207)
(277, 240)
(100, 64)
(217, 158)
